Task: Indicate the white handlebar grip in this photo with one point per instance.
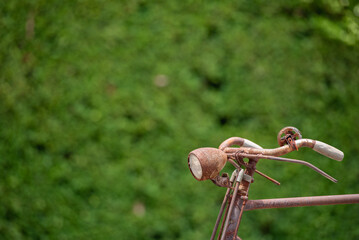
(251, 144)
(328, 151)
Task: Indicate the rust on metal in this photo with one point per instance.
(301, 201)
(211, 160)
(267, 177)
(228, 222)
(231, 141)
(321, 172)
(234, 215)
(242, 142)
(273, 152)
(220, 214)
(222, 181)
(289, 133)
(206, 163)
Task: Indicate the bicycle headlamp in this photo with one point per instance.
(206, 163)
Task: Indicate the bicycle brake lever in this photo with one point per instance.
(260, 156)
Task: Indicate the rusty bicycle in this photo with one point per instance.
(206, 164)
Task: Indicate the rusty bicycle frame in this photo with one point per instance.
(206, 163)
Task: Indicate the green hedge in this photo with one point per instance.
(100, 103)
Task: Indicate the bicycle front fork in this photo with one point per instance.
(235, 203)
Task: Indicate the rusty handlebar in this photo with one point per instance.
(251, 148)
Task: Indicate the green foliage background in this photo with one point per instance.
(101, 101)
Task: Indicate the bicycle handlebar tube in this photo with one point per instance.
(206, 164)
